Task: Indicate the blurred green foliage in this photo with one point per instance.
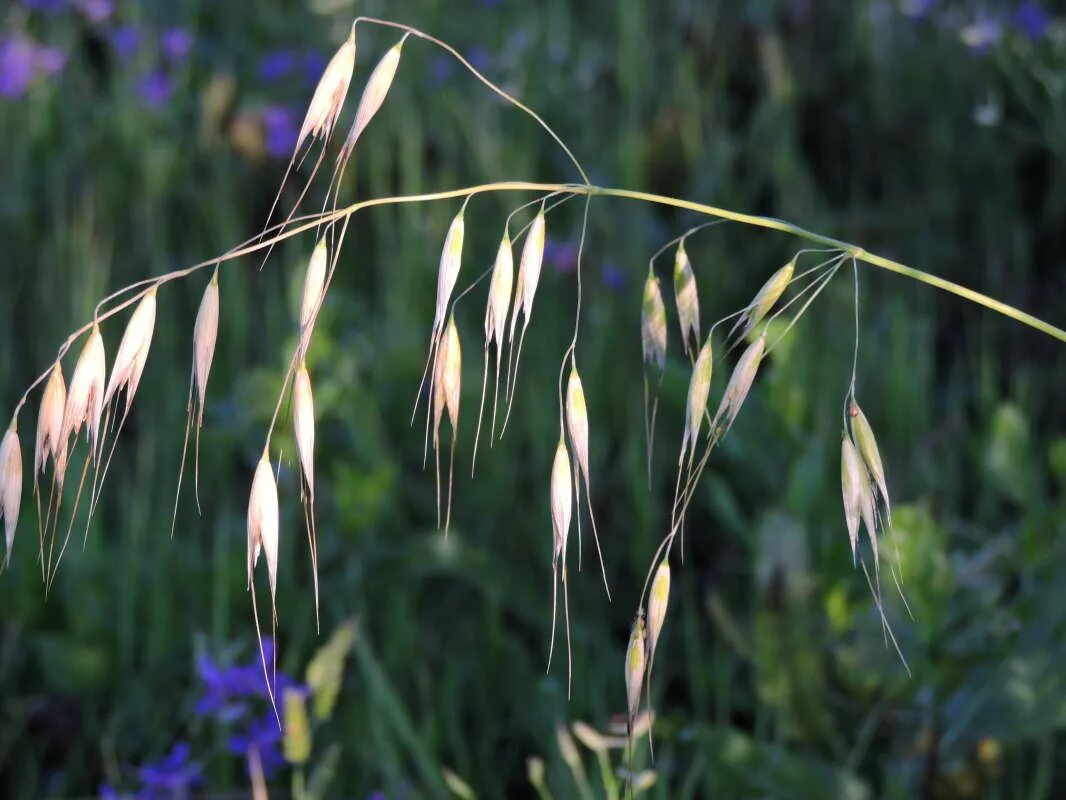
(852, 119)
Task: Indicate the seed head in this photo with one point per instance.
(377, 88)
(133, 350)
(263, 522)
(736, 391)
(768, 295)
(85, 400)
(451, 258)
(10, 484)
(851, 482)
(449, 378)
(303, 417)
(332, 88)
(50, 440)
(698, 388)
(562, 498)
(657, 603)
(529, 270)
(653, 324)
(635, 663)
(499, 293)
(867, 444)
(314, 284)
(205, 334)
(688, 301)
(577, 421)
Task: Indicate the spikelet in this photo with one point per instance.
(303, 418)
(687, 297)
(657, 603)
(332, 88)
(653, 324)
(496, 309)
(635, 663)
(562, 499)
(50, 424)
(863, 435)
(314, 285)
(263, 523)
(377, 88)
(529, 267)
(736, 391)
(10, 485)
(868, 508)
(765, 298)
(85, 399)
(577, 422)
(698, 388)
(133, 350)
(451, 257)
(851, 482)
(447, 392)
(205, 335)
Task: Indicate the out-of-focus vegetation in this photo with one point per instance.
(138, 137)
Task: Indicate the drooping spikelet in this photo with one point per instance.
(50, 440)
(658, 600)
(529, 267)
(634, 672)
(447, 392)
(303, 418)
(577, 422)
(864, 439)
(314, 286)
(10, 485)
(205, 335)
(561, 499)
(736, 391)
(451, 258)
(687, 297)
(332, 88)
(653, 324)
(263, 523)
(851, 484)
(377, 89)
(698, 389)
(133, 350)
(496, 309)
(85, 399)
(765, 298)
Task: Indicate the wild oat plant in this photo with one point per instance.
(67, 477)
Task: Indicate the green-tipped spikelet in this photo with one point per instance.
(766, 297)
(451, 258)
(736, 391)
(658, 599)
(653, 324)
(867, 444)
(635, 663)
(698, 389)
(687, 297)
(851, 485)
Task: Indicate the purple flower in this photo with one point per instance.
(279, 132)
(125, 41)
(174, 776)
(614, 277)
(314, 64)
(175, 43)
(263, 735)
(1031, 20)
(562, 256)
(18, 66)
(226, 688)
(155, 89)
(276, 65)
(96, 11)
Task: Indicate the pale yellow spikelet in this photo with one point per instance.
(868, 508)
(767, 295)
(205, 335)
(133, 350)
(867, 445)
(851, 482)
(740, 382)
(687, 297)
(658, 599)
(314, 285)
(499, 293)
(699, 388)
(263, 521)
(634, 672)
(303, 418)
(85, 398)
(529, 267)
(450, 372)
(332, 88)
(50, 423)
(377, 89)
(562, 499)
(10, 485)
(653, 324)
(451, 258)
(577, 422)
